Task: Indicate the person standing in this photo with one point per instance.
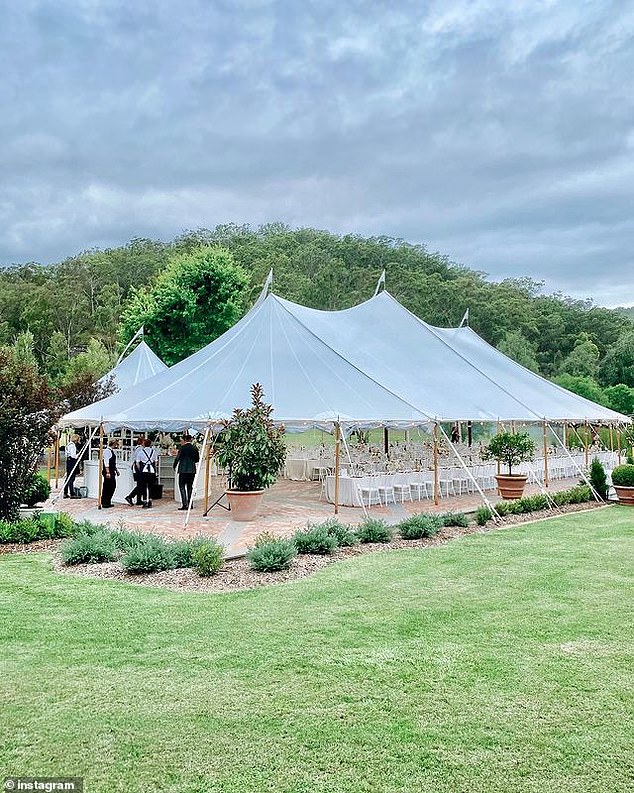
(137, 474)
(149, 465)
(71, 467)
(186, 460)
(109, 472)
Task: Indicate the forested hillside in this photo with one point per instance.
(74, 316)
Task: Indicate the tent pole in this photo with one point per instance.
(57, 459)
(499, 465)
(436, 480)
(197, 474)
(611, 438)
(345, 443)
(207, 468)
(585, 444)
(620, 443)
(566, 434)
(546, 482)
(100, 472)
(337, 465)
(386, 441)
(49, 463)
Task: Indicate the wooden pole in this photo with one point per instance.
(566, 434)
(585, 445)
(57, 459)
(497, 429)
(337, 465)
(100, 472)
(207, 467)
(386, 441)
(620, 443)
(436, 476)
(611, 438)
(49, 464)
(546, 481)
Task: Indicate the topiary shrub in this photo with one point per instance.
(207, 557)
(343, 533)
(374, 530)
(419, 526)
(315, 540)
(38, 489)
(455, 519)
(483, 515)
(148, 555)
(89, 549)
(270, 556)
(623, 476)
(598, 478)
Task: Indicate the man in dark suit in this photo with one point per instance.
(186, 460)
(109, 472)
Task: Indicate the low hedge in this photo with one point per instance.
(37, 527)
(535, 503)
(315, 540)
(207, 557)
(374, 530)
(267, 557)
(89, 549)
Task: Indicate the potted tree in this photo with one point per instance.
(252, 449)
(623, 481)
(510, 449)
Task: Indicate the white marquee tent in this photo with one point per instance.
(375, 364)
(139, 365)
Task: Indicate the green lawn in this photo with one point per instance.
(500, 662)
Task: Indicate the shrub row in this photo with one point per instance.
(141, 553)
(575, 495)
(37, 527)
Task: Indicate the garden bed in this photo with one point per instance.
(236, 574)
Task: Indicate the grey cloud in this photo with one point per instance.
(500, 133)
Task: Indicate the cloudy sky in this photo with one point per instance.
(500, 132)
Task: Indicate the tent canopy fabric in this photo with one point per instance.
(375, 364)
(139, 365)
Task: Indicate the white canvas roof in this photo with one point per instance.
(371, 365)
(140, 364)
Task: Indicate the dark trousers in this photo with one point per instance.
(138, 488)
(185, 484)
(69, 487)
(107, 491)
(147, 480)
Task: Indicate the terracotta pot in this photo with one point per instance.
(511, 486)
(245, 504)
(625, 495)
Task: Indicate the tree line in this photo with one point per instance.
(70, 319)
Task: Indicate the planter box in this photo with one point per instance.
(625, 495)
(511, 486)
(245, 504)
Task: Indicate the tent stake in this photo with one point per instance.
(436, 482)
(100, 473)
(337, 464)
(546, 482)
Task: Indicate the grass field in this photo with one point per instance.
(500, 662)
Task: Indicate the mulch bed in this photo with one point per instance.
(236, 575)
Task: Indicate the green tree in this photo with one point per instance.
(24, 348)
(197, 298)
(520, 349)
(584, 386)
(618, 364)
(583, 360)
(620, 398)
(27, 413)
(93, 363)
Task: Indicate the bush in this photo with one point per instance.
(343, 533)
(21, 531)
(64, 525)
(37, 490)
(483, 515)
(125, 540)
(89, 549)
(455, 519)
(623, 476)
(533, 503)
(207, 557)
(598, 478)
(315, 540)
(264, 538)
(274, 555)
(87, 527)
(183, 551)
(148, 555)
(418, 526)
(374, 530)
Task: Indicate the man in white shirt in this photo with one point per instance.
(148, 457)
(71, 466)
